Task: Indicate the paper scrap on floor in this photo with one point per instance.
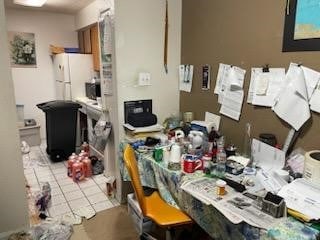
(292, 103)
(302, 196)
(265, 86)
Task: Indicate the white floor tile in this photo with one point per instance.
(53, 184)
(61, 170)
(57, 165)
(98, 197)
(88, 182)
(70, 188)
(60, 176)
(74, 195)
(56, 191)
(65, 181)
(91, 190)
(59, 209)
(115, 202)
(78, 203)
(103, 187)
(100, 179)
(46, 178)
(57, 199)
(28, 171)
(102, 206)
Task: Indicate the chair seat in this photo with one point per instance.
(164, 214)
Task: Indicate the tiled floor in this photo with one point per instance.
(67, 196)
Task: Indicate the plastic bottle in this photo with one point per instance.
(221, 158)
(71, 160)
(83, 154)
(87, 167)
(77, 171)
(85, 147)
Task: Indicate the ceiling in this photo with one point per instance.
(60, 6)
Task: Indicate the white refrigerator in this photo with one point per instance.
(71, 71)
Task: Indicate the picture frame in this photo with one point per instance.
(290, 41)
(22, 49)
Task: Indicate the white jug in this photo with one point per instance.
(175, 154)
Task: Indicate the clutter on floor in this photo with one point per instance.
(54, 195)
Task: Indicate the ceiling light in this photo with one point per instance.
(30, 3)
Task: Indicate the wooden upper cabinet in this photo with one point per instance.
(87, 41)
(95, 47)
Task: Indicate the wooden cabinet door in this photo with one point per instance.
(81, 41)
(95, 47)
(87, 41)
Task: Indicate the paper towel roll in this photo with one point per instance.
(312, 166)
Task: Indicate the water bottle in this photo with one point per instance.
(221, 158)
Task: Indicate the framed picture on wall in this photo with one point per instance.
(22, 49)
(302, 26)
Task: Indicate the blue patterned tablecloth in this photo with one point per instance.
(156, 175)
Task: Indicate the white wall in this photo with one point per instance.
(90, 13)
(139, 47)
(36, 85)
(13, 202)
(139, 33)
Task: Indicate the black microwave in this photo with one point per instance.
(93, 90)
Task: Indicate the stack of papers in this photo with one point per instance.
(302, 196)
(136, 130)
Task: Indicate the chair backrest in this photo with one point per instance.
(132, 167)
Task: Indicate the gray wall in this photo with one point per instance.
(13, 202)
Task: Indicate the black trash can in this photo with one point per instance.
(61, 127)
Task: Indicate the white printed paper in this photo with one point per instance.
(214, 118)
(232, 104)
(292, 104)
(264, 87)
(228, 78)
(302, 196)
(185, 77)
(312, 78)
(315, 100)
(267, 157)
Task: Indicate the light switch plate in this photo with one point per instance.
(144, 79)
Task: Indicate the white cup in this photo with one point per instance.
(283, 174)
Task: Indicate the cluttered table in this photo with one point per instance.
(232, 216)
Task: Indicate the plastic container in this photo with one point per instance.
(78, 171)
(221, 187)
(61, 126)
(221, 158)
(87, 167)
(72, 159)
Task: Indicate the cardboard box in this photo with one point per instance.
(141, 223)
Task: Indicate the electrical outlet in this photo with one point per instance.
(144, 79)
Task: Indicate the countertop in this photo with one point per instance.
(89, 103)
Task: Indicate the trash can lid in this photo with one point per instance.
(58, 104)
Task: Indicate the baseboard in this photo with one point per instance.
(5, 235)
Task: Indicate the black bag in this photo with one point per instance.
(143, 119)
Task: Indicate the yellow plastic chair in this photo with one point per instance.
(153, 206)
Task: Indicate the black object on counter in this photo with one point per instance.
(61, 127)
(235, 185)
(268, 138)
